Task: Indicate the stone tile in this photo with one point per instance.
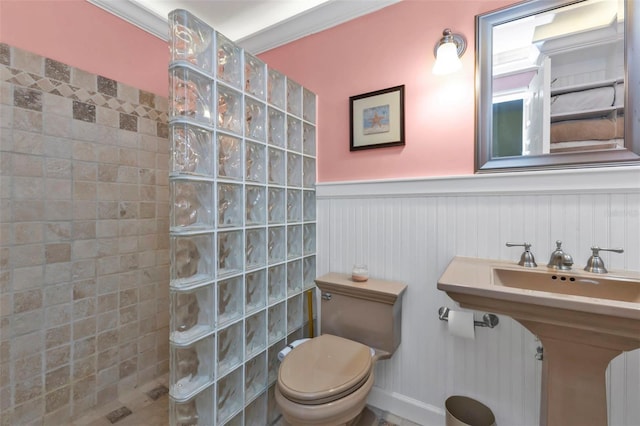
(128, 122)
(162, 130)
(27, 98)
(27, 301)
(84, 79)
(27, 61)
(83, 111)
(147, 98)
(59, 252)
(57, 70)
(119, 414)
(107, 86)
(5, 54)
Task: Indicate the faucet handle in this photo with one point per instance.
(595, 262)
(527, 258)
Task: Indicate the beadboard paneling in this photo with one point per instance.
(409, 232)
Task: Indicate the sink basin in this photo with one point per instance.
(583, 320)
(569, 283)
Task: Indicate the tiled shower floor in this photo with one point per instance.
(148, 405)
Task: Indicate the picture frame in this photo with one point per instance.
(377, 119)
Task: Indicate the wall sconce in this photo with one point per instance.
(448, 51)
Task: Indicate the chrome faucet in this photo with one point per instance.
(527, 258)
(559, 259)
(595, 263)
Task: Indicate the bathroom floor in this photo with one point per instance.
(148, 405)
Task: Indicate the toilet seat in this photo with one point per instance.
(324, 369)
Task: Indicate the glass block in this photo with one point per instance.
(276, 205)
(230, 306)
(276, 166)
(229, 110)
(273, 412)
(255, 290)
(254, 76)
(294, 277)
(256, 158)
(294, 98)
(230, 211)
(230, 253)
(192, 314)
(191, 150)
(276, 247)
(191, 206)
(230, 348)
(256, 412)
(308, 105)
(229, 157)
(294, 313)
(295, 334)
(229, 61)
(309, 205)
(294, 241)
(191, 368)
(255, 333)
(276, 127)
(256, 248)
(255, 376)
(190, 40)
(309, 272)
(308, 172)
(276, 89)
(230, 396)
(294, 134)
(294, 170)
(255, 115)
(309, 238)
(235, 420)
(294, 205)
(276, 283)
(190, 95)
(196, 411)
(256, 205)
(191, 260)
(273, 363)
(309, 139)
(277, 322)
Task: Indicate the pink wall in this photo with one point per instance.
(82, 35)
(388, 48)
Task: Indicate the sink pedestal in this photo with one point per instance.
(573, 374)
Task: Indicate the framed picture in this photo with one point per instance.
(377, 119)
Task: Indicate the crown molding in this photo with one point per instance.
(314, 20)
(320, 18)
(137, 15)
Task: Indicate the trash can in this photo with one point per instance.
(464, 411)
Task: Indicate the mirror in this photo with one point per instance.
(557, 85)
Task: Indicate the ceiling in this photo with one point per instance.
(255, 25)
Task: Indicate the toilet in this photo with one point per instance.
(326, 380)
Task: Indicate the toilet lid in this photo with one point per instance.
(324, 369)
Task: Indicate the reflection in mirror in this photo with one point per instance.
(552, 83)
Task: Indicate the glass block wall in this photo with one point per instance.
(243, 225)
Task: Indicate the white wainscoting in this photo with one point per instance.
(409, 230)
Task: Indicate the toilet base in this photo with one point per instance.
(344, 411)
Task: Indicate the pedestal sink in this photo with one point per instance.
(583, 320)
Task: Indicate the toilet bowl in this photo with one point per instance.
(326, 380)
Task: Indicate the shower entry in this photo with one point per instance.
(242, 226)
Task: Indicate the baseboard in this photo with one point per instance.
(405, 407)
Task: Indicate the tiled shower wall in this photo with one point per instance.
(84, 263)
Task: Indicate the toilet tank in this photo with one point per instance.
(368, 312)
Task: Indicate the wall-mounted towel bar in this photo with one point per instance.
(488, 320)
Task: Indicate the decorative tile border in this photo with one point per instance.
(57, 81)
